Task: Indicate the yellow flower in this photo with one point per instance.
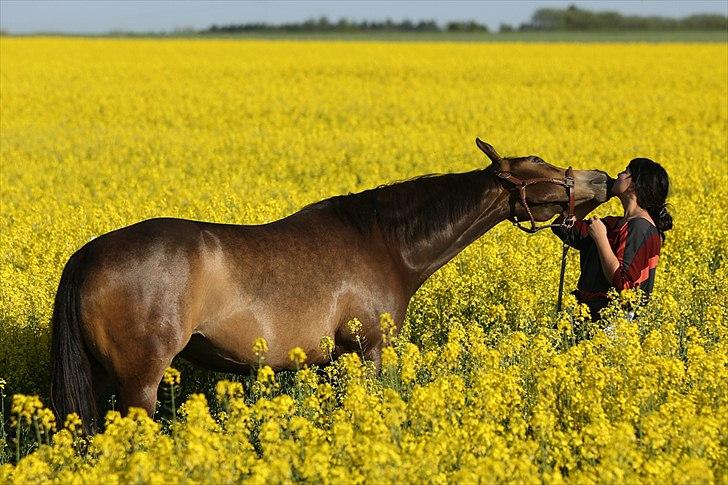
(388, 327)
(46, 420)
(171, 376)
(260, 348)
(485, 378)
(354, 325)
(266, 374)
(410, 363)
(25, 407)
(326, 345)
(389, 357)
(308, 378)
(73, 423)
(297, 356)
(227, 390)
(265, 382)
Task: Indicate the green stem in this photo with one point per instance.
(17, 441)
(2, 418)
(174, 408)
(37, 430)
(361, 350)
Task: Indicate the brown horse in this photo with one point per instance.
(131, 300)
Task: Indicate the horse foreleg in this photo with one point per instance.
(138, 378)
(368, 345)
(140, 395)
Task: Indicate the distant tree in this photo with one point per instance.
(505, 28)
(574, 18)
(323, 24)
(707, 22)
(469, 26)
(427, 26)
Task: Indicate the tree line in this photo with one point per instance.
(323, 24)
(571, 18)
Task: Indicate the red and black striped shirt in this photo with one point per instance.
(636, 245)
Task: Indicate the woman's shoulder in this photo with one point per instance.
(639, 222)
(642, 224)
(644, 231)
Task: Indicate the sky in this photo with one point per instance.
(86, 17)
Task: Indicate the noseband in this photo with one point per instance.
(567, 181)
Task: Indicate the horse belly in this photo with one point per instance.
(228, 340)
(291, 300)
(205, 353)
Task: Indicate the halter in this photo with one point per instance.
(567, 181)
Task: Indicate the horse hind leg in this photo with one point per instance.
(102, 387)
(374, 354)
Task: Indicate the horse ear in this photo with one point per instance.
(488, 150)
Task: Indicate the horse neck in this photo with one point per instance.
(467, 209)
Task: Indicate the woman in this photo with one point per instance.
(622, 252)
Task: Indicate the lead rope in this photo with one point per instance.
(564, 251)
(567, 223)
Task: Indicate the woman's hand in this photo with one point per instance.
(597, 229)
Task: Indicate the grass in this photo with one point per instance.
(713, 36)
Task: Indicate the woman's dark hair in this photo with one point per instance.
(652, 185)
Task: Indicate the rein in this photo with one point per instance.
(567, 223)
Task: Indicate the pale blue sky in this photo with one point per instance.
(102, 16)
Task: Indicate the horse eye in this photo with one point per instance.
(538, 160)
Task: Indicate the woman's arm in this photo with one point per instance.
(609, 260)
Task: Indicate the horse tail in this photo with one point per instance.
(71, 377)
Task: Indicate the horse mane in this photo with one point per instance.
(409, 210)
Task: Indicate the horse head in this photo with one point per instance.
(546, 198)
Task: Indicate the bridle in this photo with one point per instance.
(567, 223)
(567, 182)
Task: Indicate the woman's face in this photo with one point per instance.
(623, 183)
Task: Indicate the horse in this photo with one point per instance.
(132, 299)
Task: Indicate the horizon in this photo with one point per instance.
(101, 17)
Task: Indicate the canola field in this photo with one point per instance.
(486, 382)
